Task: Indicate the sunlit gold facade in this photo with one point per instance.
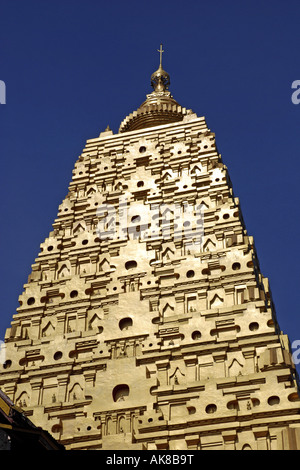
(152, 337)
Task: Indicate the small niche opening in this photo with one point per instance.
(131, 264)
(253, 326)
(57, 355)
(125, 323)
(196, 335)
(190, 273)
(236, 266)
(120, 392)
(274, 400)
(31, 301)
(211, 408)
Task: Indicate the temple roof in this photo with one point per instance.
(159, 107)
(23, 434)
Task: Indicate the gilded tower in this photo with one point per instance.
(146, 322)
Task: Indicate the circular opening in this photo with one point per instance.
(236, 266)
(50, 248)
(56, 428)
(125, 323)
(57, 355)
(211, 409)
(84, 242)
(190, 273)
(7, 364)
(253, 326)
(186, 224)
(255, 402)
(274, 400)
(293, 397)
(196, 334)
(130, 264)
(120, 392)
(233, 405)
(140, 184)
(226, 216)
(135, 218)
(142, 149)
(31, 301)
(73, 294)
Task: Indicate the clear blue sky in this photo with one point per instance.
(71, 67)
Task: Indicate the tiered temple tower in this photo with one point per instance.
(146, 322)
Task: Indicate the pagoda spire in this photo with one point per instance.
(160, 79)
(159, 107)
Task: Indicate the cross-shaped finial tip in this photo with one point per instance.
(160, 50)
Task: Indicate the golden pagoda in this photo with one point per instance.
(146, 322)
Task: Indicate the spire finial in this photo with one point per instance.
(160, 79)
(160, 50)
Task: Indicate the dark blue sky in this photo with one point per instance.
(71, 67)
